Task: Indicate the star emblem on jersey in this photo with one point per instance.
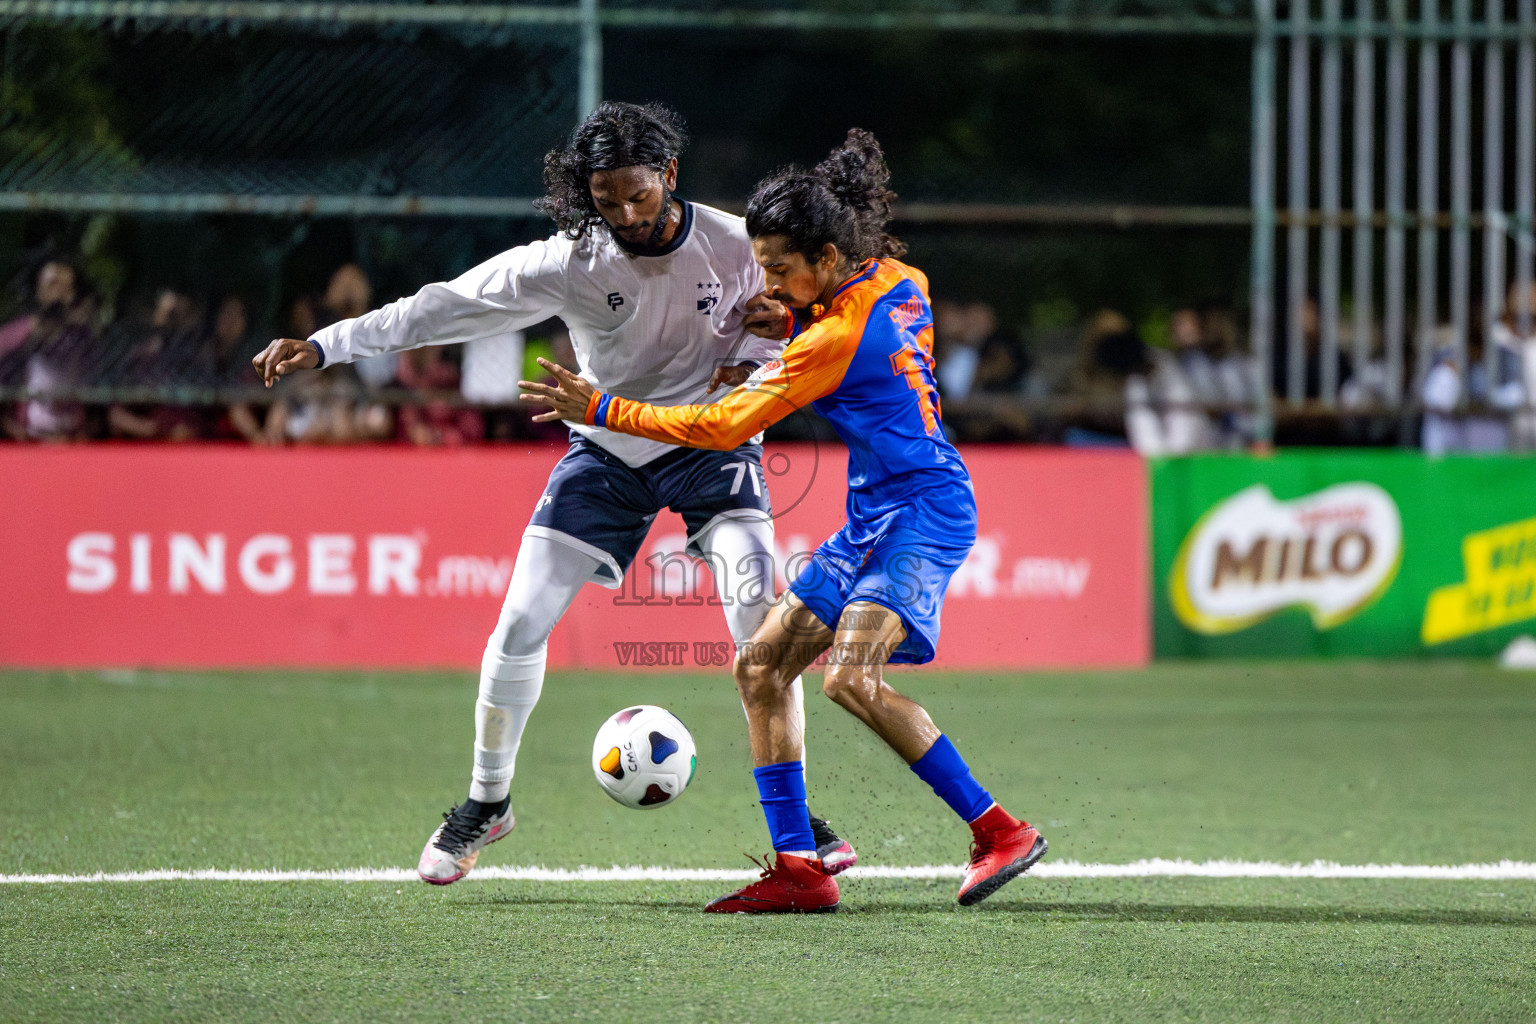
(710, 297)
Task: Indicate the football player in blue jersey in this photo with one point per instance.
(861, 353)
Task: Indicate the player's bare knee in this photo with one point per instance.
(849, 685)
(755, 682)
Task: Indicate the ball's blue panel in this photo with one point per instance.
(662, 747)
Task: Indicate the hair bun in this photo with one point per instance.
(856, 174)
(845, 200)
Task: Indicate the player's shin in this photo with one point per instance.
(781, 791)
(739, 553)
(946, 772)
(776, 731)
(509, 688)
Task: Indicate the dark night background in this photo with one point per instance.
(1035, 119)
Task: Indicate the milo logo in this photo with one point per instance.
(1332, 552)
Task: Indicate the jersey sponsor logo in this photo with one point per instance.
(768, 373)
(1332, 552)
(615, 300)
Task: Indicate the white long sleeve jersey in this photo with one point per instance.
(649, 328)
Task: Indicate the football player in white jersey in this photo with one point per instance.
(663, 302)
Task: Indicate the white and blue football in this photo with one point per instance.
(644, 757)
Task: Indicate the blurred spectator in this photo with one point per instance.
(349, 295)
(1441, 392)
(1514, 367)
(1174, 419)
(1003, 364)
(161, 354)
(53, 288)
(303, 319)
(1235, 378)
(1485, 427)
(1312, 363)
(225, 363)
(326, 407)
(1203, 389)
(957, 350)
(1108, 351)
(57, 355)
(1369, 395)
(1191, 397)
(1370, 385)
(225, 353)
(1446, 426)
(972, 354)
(1110, 379)
(980, 371)
(432, 420)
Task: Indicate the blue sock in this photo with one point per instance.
(945, 770)
(781, 790)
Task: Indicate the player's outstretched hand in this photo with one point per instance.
(284, 356)
(567, 398)
(766, 318)
(729, 377)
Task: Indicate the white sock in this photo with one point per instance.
(509, 688)
(545, 580)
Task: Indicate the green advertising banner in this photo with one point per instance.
(1342, 553)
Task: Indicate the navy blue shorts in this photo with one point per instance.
(604, 507)
(901, 557)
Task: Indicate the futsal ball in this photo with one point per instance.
(643, 757)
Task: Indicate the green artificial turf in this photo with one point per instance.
(1353, 762)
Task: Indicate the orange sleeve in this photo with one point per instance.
(918, 278)
(812, 367)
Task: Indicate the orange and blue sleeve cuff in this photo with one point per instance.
(597, 409)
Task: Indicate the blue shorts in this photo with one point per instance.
(598, 504)
(899, 553)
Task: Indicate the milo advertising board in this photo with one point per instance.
(1346, 553)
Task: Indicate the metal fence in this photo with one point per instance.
(477, 90)
(1347, 90)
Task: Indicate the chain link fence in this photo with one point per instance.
(193, 165)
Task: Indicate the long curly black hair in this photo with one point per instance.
(614, 135)
(844, 200)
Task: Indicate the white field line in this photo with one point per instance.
(1154, 868)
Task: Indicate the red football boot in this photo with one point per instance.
(1003, 849)
(790, 885)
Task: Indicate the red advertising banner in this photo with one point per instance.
(119, 556)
